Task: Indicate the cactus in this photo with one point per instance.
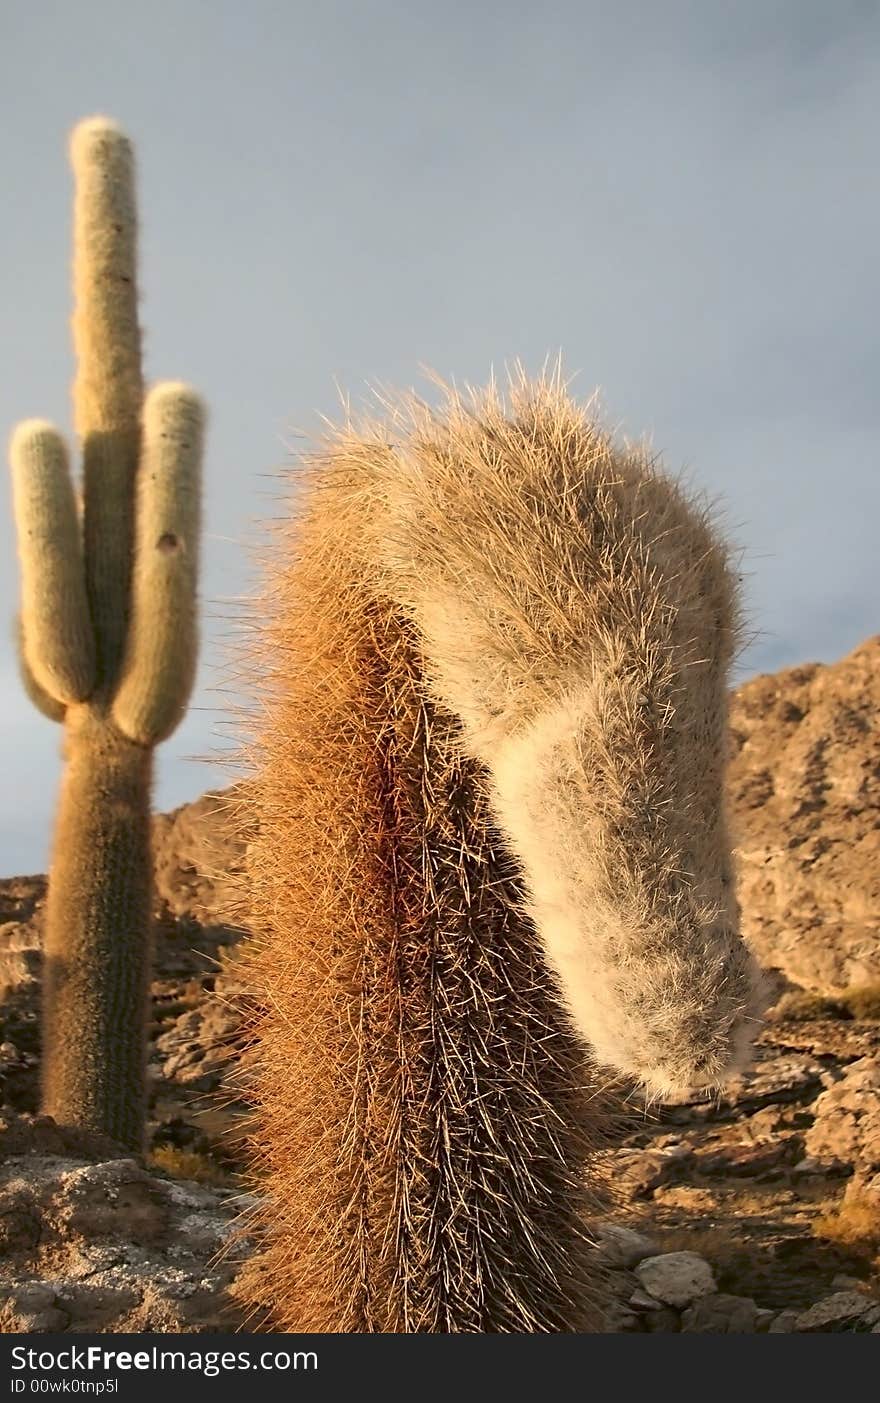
(107, 636)
(488, 834)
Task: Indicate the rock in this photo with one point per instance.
(804, 786)
(844, 1036)
(117, 1198)
(785, 1323)
(19, 1220)
(180, 1134)
(620, 1246)
(618, 1320)
(842, 1282)
(695, 1202)
(811, 1167)
(663, 1321)
(718, 1314)
(196, 1049)
(836, 1312)
(770, 1080)
(637, 1173)
(104, 1245)
(640, 1300)
(847, 1117)
(762, 1160)
(676, 1278)
(32, 1309)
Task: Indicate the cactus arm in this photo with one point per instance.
(160, 659)
(578, 614)
(58, 644)
(54, 710)
(108, 389)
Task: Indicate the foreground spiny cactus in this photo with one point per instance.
(488, 785)
(108, 644)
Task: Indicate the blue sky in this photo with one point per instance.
(680, 197)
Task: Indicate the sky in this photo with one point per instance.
(680, 197)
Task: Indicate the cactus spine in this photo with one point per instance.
(108, 644)
(457, 606)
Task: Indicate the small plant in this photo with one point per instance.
(190, 1164)
(863, 1001)
(858, 1001)
(855, 1223)
(488, 833)
(108, 646)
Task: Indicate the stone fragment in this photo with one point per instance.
(836, 1312)
(676, 1278)
(719, 1314)
(620, 1246)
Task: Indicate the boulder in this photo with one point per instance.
(676, 1278)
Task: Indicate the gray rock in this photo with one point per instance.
(785, 1323)
(719, 1314)
(640, 1300)
(835, 1312)
(620, 1246)
(676, 1278)
(128, 1250)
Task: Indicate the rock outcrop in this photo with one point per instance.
(91, 1241)
(805, 792)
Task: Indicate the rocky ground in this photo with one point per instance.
(755, 1211)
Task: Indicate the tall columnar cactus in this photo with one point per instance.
(108, 645)
(490, 833)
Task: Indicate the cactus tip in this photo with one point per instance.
(91, 132)
(27, 432)
(173, 396)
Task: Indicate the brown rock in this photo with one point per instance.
(847, 1123)
(761, 1160)
(639, 1172)
(805, 792)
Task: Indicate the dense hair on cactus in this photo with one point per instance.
(56, 638)
(108, 388)
(161, 649)
(425, 1116)
(578, 613)
(488, 797)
